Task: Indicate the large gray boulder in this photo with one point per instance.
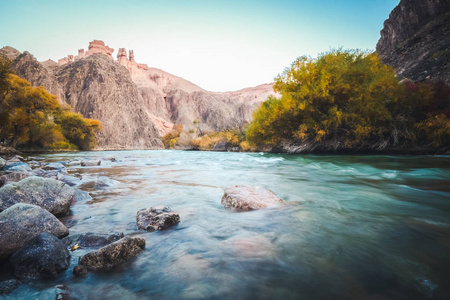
(156, 218)
(113, 254)
(247, 197)
(41, 257)
(22, 222)
(52, 195)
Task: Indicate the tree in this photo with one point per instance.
(341, 98)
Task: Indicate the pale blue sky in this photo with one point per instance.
(219, 45)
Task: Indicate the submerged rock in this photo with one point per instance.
(156, 218)
(81, 195)
(70, 180)
(43, 256)
(79, 271)
(50, 194)
(104, 182)
(247, 197)
(91, 239)
(22, 222)
(89, 163)
(113, 254)
(54, 166)
(8, 286)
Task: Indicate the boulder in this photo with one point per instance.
(247, 197)
(97, 239)
(81, 195)
(74, 163)
(104, 182)
(156, 218)
(70, 180)
(52, 195)
(13, 177)
(41, 257)
(54, 166)
(113, 254)
(17, 167)
(16, 158)
(2, 163)
(89, 163)
(22, 222)
(8, 286)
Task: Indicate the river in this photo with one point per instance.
(354, 227)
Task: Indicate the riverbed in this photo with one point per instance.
(353, 227)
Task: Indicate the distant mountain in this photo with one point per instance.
(415, 40)
(135, 104)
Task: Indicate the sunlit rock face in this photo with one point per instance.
(415, 40)
(136, 104)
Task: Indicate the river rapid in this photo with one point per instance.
(354, 227)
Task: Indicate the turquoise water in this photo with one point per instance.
(355, 227)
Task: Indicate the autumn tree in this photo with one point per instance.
(341, 98)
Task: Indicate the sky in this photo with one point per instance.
(218, 45)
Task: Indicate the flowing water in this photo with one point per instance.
(355, 227)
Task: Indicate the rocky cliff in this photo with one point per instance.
(415, 40)
(135, 104)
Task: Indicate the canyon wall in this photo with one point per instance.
(415, 40)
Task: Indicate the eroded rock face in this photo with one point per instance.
(22, 222)
(415, 40)
(41, 257)
(100, 88)
(137, 104)
(156, 218)
(113, 254)
(53, 195)
(247, 197)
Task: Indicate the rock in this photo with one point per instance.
(97, 239)
(97, 46)
(16, 158)
(104, 182)
(79, 271)
(415, 40)
(54, 166)
(2, 163)
(156, 218)
(110, 158)
(22, 222)
(13, 177)
(62, 292)
(89, 163)
(7, 150)
(52, 195)
(113, 254)
(8, 286)
(17, 167)
(41, 257)
(246, 197)
(81, 195)
(70, 180)
(74, 163)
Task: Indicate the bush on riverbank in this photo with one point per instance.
(32, 118)
(349, 100)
